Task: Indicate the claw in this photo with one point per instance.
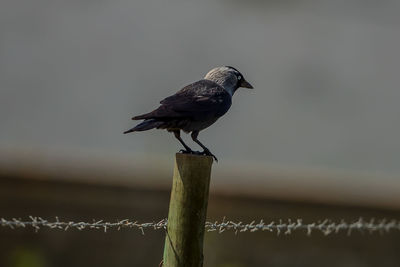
(183, 151)
(208, 153)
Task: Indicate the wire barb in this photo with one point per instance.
(326, 226)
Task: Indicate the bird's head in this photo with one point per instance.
(229, 78)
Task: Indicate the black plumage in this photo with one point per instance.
(192, 109)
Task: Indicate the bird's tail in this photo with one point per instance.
(145, 125)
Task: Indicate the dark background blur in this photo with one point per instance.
(318, 137)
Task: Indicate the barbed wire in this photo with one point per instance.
(281, 227)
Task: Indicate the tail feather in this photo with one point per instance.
(142, 117)
(144, 126)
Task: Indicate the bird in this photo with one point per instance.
(195, 107)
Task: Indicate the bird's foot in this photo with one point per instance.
(186, 151)
(208, 153)
(205, 152)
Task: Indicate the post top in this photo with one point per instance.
(194, 157)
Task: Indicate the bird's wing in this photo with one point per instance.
(204, 87)
(199, 100)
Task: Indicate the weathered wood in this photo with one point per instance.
(187, 211)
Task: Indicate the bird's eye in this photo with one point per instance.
(239, 77)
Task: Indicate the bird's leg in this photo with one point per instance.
(206, 150)
(177, 135)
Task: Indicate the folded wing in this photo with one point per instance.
(197, 101)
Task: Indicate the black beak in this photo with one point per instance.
(246, 84)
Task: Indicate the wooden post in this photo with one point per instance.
(187, 211)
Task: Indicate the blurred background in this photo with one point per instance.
(317, 138)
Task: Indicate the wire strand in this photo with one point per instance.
(286, 227)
